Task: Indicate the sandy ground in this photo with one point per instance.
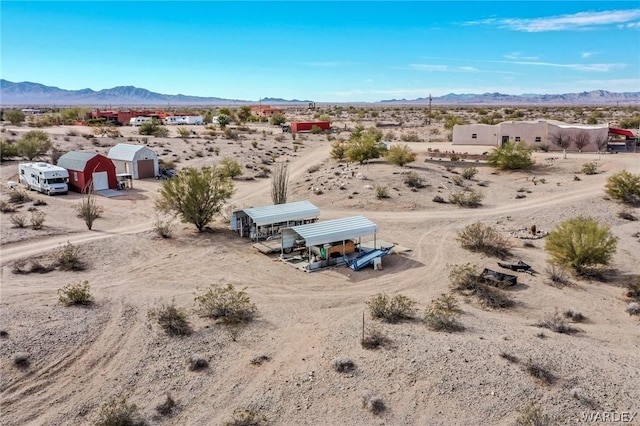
(80, 357)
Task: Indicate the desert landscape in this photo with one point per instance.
(280, 367)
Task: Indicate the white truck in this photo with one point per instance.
(45, 178)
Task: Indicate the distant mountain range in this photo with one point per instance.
(32, 94)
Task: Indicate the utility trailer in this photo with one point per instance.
(44, 177)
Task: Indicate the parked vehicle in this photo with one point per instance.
(139, 121)
(45, 178)
(166, 174)
(184, 119)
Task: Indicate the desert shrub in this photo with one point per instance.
(557, 276)
(574, 315)
(540, 372)
(373, 403)
(469, 173)
(532, 415)
(556, 323)
(439, 199)
(168, 407)
(459, 181)
(260, 359)
(88, 209)
(410, 137)
(511, 156)
(32, 266)
(374, 338)
(247, 417)
(391, 309)
(343, 364)
(624, 186)
(19, 197)
(442, 314)
(39, 202)
(21, 359)
(37, 219)
(230, 167)
(482, 238)
(400, 155)
(76, 294)
(590, 168)
(197, 362)
(6, 207)
(511, 358)
(633, 290)
(118, 412)
(172, 319)
(163, 228)
(18, 220)
(467, 279)
(226, 304)
(633, 308)
(68, 259)
(581, 243)
(463, 198)
(314, 168)
(382, 192)
(413, 180)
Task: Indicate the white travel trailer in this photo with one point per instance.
(138, 121)
(184, 119)
(45, 178)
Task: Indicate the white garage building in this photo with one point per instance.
(137, 160)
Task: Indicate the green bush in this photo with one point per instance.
(247, 417)
(400, 155)
(511, 156)
(391, 309)
(485, 239)
(68, 259)
(118, 412)
(382, 192)
(469, 172)
(226, 304)
(462, 198)
(442, 314)
(581, 243)
(590, 168)
(75, 294)
(624, 186)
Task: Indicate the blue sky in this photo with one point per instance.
(324, 51)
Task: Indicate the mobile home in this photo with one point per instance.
(45, 178)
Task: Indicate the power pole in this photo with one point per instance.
(429, 119)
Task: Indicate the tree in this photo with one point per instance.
(7, 150)
(244, 113)
(223, 120)
(230, 167)
(581, 243)
(561, 139)
(601, 142)
(208, 117)
(452, 120)
(89, 210)
(277, 119)
(33, 144)
(280, 184)
(153, 128)
(511, 156)
(364, 145)
(581, 139)
(14, 116)
(338, 150)
(195, 195)
(624, 186)
(71, 115)
(400, 155)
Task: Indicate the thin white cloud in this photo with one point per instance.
(327, 64)
(576, 67)
(588, 54)
(519, 56)
(578, 21)
(428, 67)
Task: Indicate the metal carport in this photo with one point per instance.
(261, 222)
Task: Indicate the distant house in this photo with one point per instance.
(138, 160)
(266, 110)
(86, 168)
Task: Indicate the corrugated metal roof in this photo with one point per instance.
(334, 230)
(298, 210)
(126, 151)
(75, 160)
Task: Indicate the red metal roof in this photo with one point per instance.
(624, 132)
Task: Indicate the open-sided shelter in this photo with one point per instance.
(137, 160)
(263, 222)
(326, 243)
(86, 168)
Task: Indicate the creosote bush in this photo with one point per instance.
(624, 186)
(413, 180)
(590, 168)
(226, 304)
(382, 192)
(467, 280)
(464, 198)
(391, 309)
(76, 294)
(118, 412)
(18, 220)
(19, 197)
(172, 319)
(485, 239)
(68, 259)
(442, 314)
(469, 172)
(247, 417)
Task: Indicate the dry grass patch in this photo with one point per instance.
(482, 238)
(172, 319)
(556, 323)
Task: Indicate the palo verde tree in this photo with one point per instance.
(223, 120)
(33, 144)
(277, 119)
(581, 243)
(230, 167)
(400, 155)
(14, 116)
(511, 156)
(196, 195)
(364, 145)
(244, 113)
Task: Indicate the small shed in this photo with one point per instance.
(327, 243)
(89, 167)
(137, 160)
(263, 222)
